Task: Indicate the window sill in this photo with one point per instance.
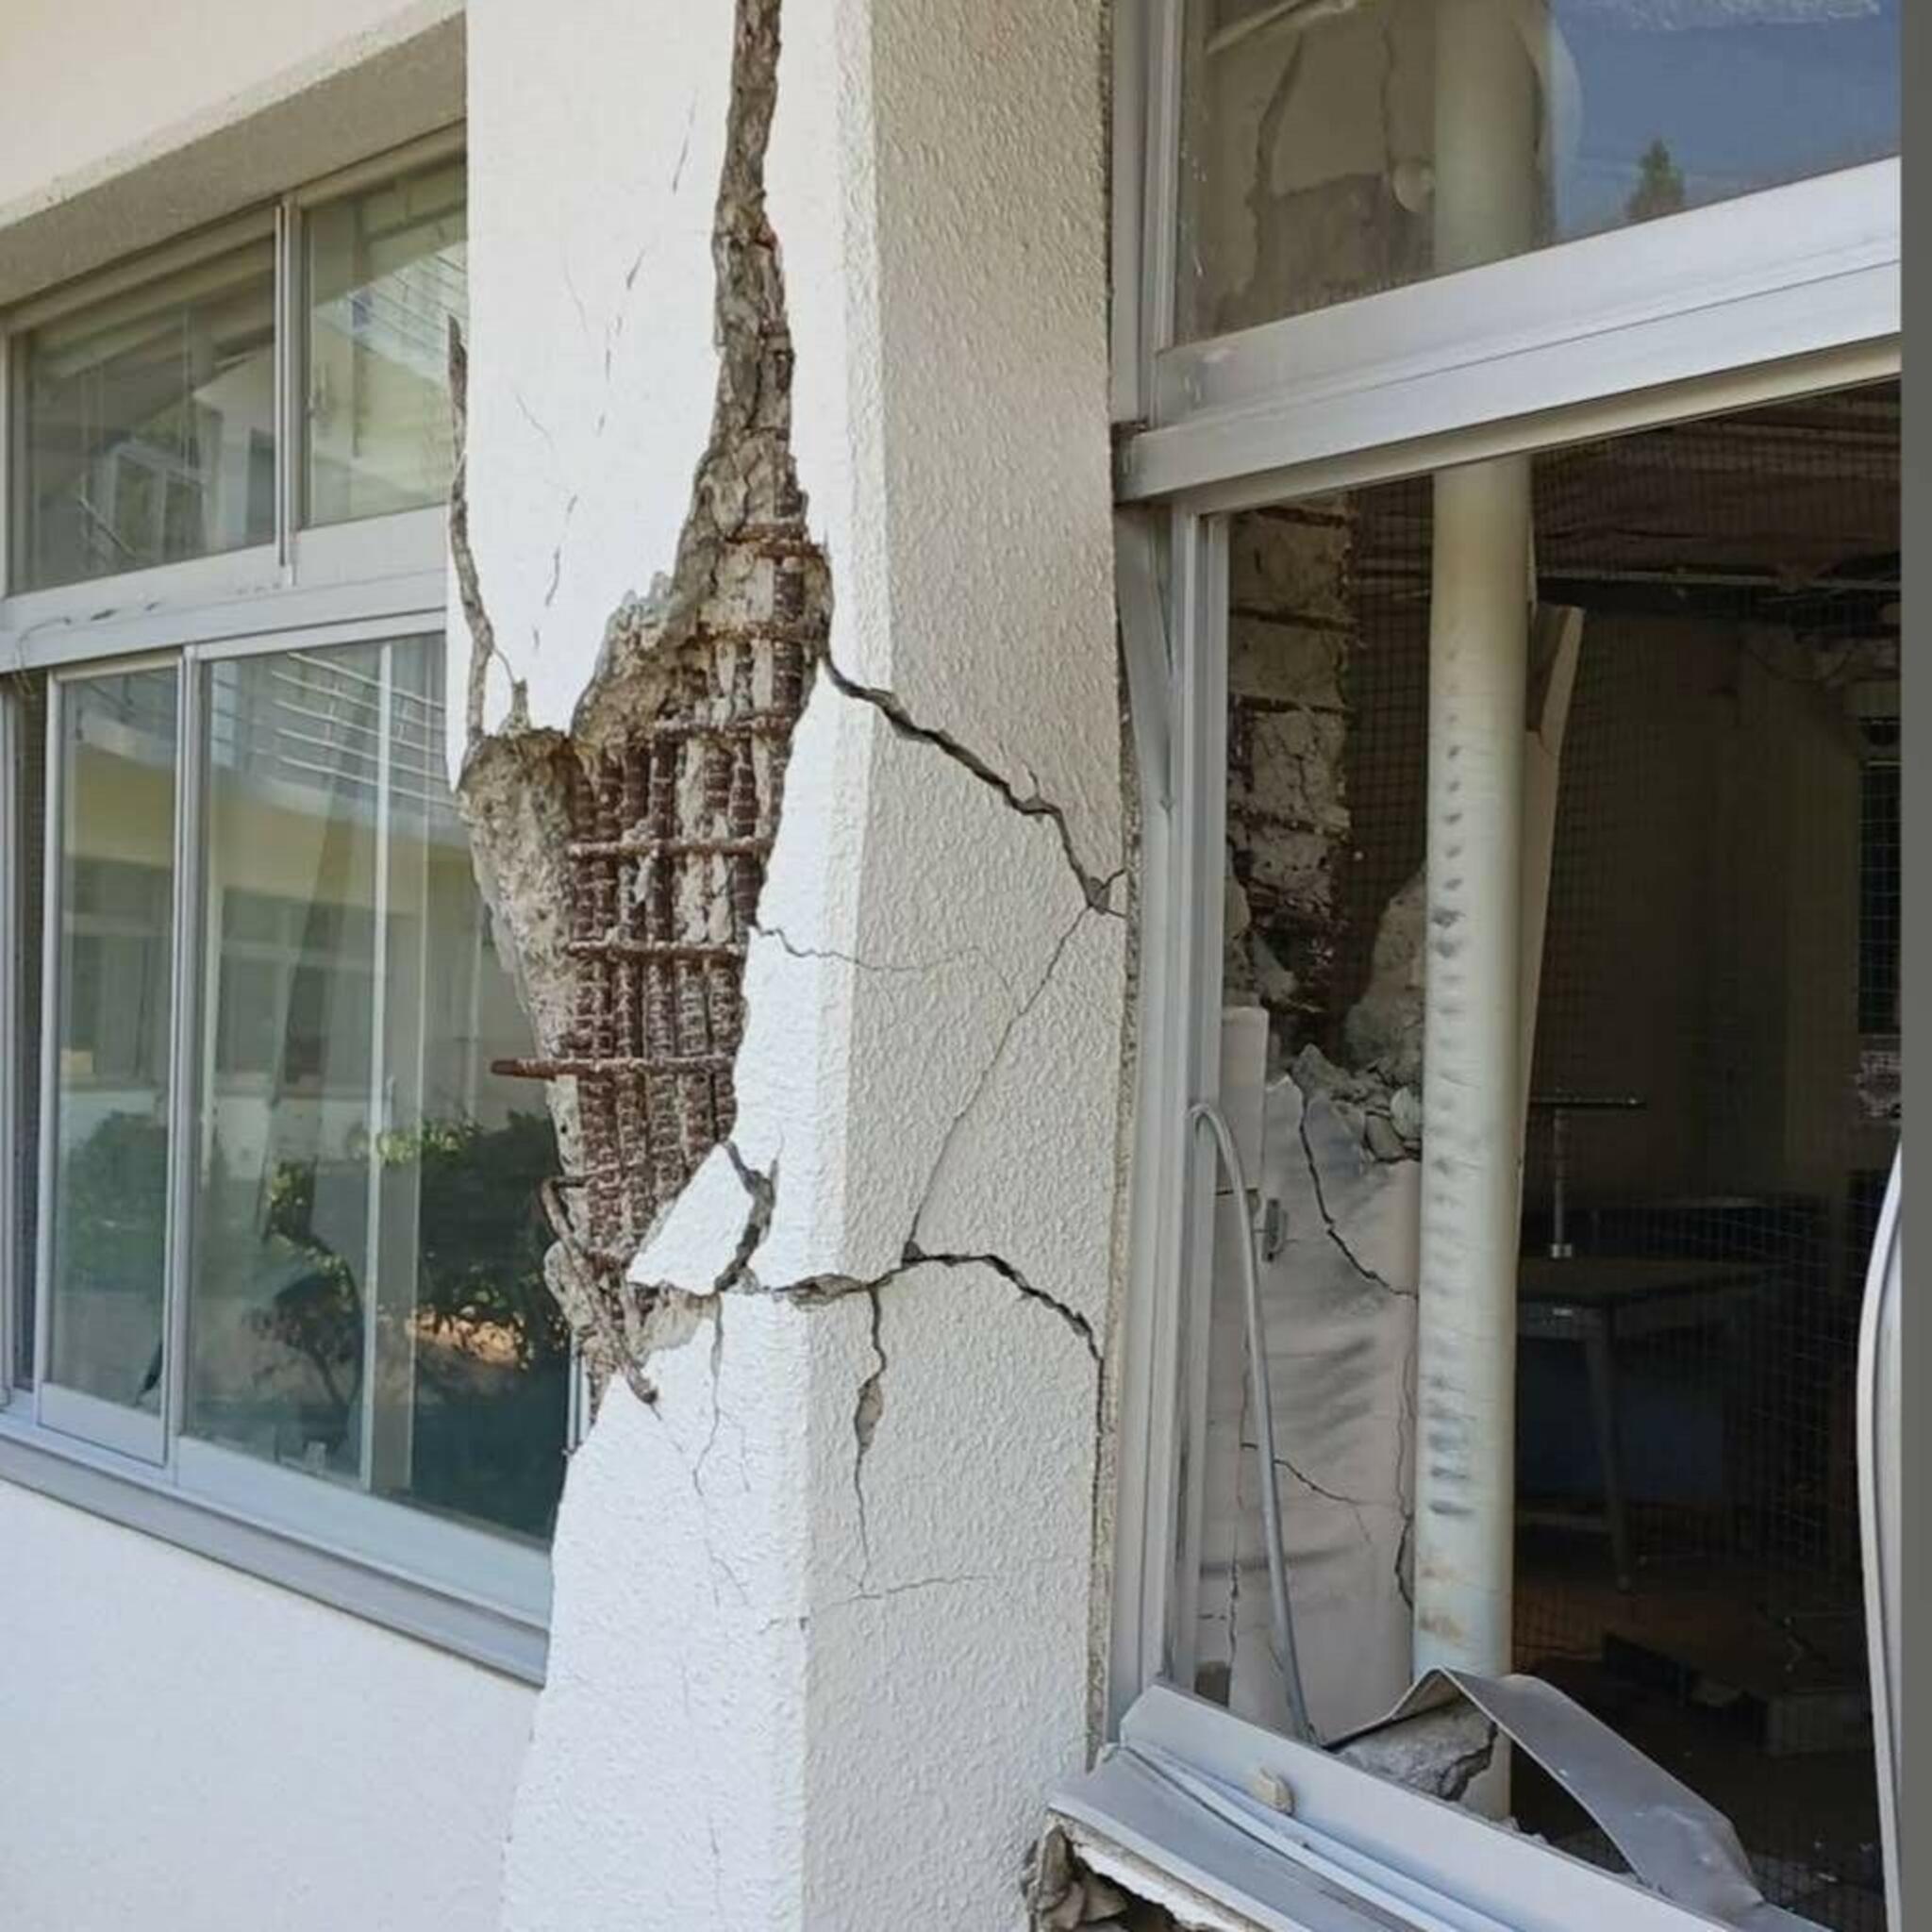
(150, 1501)
(376, 572)
(1172, 1814)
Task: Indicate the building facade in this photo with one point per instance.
(700, 701)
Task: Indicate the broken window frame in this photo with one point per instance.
(1776, 295)
(380, 577)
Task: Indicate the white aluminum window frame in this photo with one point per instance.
(1777, 294)
(464, 1588)
(468, 1589)
(46, 625)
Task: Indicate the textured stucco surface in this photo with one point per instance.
(822, 1611)
(823, 1607)
(208, 1750)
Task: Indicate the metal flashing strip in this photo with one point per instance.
(1335, 1848)
(1673, 1840)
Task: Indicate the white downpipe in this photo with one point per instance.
(1485, 204)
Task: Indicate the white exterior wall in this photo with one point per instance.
(825, 1617)
(94, 91)
(190, 1746)
(823, 1635)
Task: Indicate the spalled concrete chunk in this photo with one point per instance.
(1437, 1752)
(1384, 1029)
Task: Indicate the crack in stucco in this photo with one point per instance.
(916, 1257)
(1098, 887)
(761, 1190)
(893, 967)
(717, 1365)
(867, 1408)
(1354, 1505)
(1334, 1232)
(623, 859)
(483, 645)
(993, 1063)
(716, 1564)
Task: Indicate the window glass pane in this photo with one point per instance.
(28, 859)
(387, 270)
(1320, 162)
(368, 1299)
(117, 880)
(1713, 871)
(148, 431)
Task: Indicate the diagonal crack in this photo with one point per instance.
(1097, 889)
(1352, 1504)
(992, 1066)
(866, 1412)
(916, 1257)
(1335, 1233)
(763, 1191)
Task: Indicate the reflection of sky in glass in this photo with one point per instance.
(1781, 89)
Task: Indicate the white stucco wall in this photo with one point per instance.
(823, 1613)
(821, 1637)
(192, 1748)
(95, 89)
(195, 1747)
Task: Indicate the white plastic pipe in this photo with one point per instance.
(1484, 202)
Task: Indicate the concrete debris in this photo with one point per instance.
(1384, 1028)
(624, 858)
(1061, 1893)
(1291, 636)
(1437, 1752)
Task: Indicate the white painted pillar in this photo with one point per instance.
(1485, 200)
(824, 1624)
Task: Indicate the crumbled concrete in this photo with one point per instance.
(1384, 1028)
(1291, 628)
(855, 1441)
(1439, 1752)
(625, 858)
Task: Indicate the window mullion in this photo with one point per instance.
(289, 410)
(1201, 572)
(373, 1284)
(184, 1138)
(50, 1044)
(10, 938)
(9, 463)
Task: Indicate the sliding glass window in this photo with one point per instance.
(387, 273)
(147, 430)
(294, 1247)
(367, 1299)
(111, 1072)
(1333, 151)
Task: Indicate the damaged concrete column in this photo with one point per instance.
(794, 774)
